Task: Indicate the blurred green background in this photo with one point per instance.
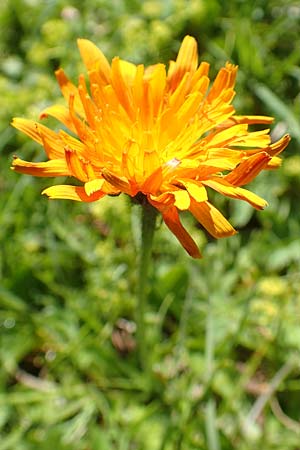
(224, 332)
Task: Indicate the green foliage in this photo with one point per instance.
(223, 332)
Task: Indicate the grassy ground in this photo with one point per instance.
(224, 331)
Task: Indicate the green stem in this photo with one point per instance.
(148, 227)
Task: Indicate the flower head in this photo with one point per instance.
(161, 135)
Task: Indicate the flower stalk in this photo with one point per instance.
(148, 220)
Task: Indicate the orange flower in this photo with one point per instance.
(160, 136)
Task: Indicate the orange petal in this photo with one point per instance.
(279, 146)
(93, 58)
(93, 114)
(121, 88)
(248, 169)
(76, 193)
(120, 183)
(162, 202)
(84, 132)
(153, 182)
(52, 168)
(67, 88)
(76, 165)
(211, 219)
(224, 80)
(172, 220)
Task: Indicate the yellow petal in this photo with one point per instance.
(99, 184)
(132, 161)
(72, 143)
(177, 97)
(93, 186)
(138, 86)
(76, 193)
(187, 61)
(274, 163)
(220, 163)
(259, 139)
(28, 127)
(211, 219)
(200, 78)
(227, 189)
(60, 113)
(41, 134)
(189, 108)
(182, 199)
(250, 120)
(196, 190)
(157, 85)
(52, 168)
(223, 137)
(128, 71)
(235, 156)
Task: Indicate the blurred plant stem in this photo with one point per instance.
(210, 412)
(148, 219)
